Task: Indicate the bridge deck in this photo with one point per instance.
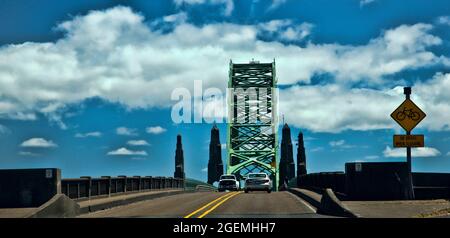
(16, 212)
(254, 204)
(398, 209)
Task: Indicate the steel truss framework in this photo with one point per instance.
(252, 120)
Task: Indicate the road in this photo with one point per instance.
(215, 205)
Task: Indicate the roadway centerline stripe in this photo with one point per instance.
(217, 205)
(207, 205)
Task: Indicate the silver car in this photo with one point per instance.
(258, 182)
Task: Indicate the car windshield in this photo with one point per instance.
(227, 177)
(256, 175)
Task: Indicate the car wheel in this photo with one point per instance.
(246, 191)
(269, 191)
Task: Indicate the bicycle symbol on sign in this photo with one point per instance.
(408, 113)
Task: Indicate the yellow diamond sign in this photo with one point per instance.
(408, 115)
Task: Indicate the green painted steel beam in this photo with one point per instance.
(252, 145)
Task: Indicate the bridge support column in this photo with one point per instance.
(301, 158)
(179, 160)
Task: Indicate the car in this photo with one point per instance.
(258, 182)
(228, 182)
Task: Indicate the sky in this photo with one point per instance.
(86, 86)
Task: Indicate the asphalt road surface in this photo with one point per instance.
(215, 205)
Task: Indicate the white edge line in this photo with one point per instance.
(303, 201)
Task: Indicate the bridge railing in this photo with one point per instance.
(87, 187)
(378, 181)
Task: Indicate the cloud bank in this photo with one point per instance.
(138, 65)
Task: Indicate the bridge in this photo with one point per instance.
(252, 138)
(252, 146)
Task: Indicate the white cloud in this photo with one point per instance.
(124, 131)
(433, 97)
(88, 134)
(125, 151)
(4, 129)
(340, 144)
(276, 3)
(155, 130)
(363, 3)
(337, 143)
(285, 30)
(229, 4)
(176, 18)
(115, 64)
(138, 158)
(445, 20)
(415, 152)
(21, 116)
(334, 108)
(138, 143)
(317, 149)
(38, 142)
(205, 170)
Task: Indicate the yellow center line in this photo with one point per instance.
(217, 205)
(207, 205)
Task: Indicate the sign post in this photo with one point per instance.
(408, 115)
(407, 92)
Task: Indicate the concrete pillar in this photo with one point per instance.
(124, 180)
(138, 179)
(88, 185)
(108, 185)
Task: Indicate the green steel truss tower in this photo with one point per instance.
(252, 133)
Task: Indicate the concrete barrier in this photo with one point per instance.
(28, 187)
(331, 205)
(326, 202)
(60, 206)
(309, 196)
(128, 200)
(377, 181)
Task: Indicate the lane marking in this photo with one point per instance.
(304, 202)
(210, 203)
(218, 204)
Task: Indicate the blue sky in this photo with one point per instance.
(85, 85)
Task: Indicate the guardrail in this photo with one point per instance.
(377, 181)
(87, 187)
